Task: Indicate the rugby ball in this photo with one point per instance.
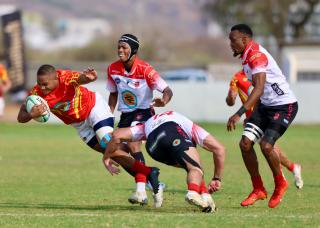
(36, 100)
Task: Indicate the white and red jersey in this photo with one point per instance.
(135, 88)
(195, 133)
(276, 89)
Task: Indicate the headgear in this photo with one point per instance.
(132, 41)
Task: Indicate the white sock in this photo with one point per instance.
(141, 187)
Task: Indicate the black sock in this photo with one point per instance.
(139, 157)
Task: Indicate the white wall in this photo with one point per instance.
(206, 101)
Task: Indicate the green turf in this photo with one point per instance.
(49, 178)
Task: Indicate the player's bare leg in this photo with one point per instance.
(294, 168)
(251, 162)
(273, 160)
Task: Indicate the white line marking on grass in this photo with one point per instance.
(308, 216)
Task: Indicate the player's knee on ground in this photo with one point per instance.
(245, 144)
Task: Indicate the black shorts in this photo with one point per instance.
(276, 118)
(135, 117)
(167, 143)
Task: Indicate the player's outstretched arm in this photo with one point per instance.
(218, 150)
(36, 111)
(87, 76)
(114, 149)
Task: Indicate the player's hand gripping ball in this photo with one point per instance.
(36, 100)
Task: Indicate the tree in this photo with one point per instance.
(267, 17)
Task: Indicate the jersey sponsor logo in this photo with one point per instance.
(276, 116)
(176, 142)
(151, 74)
(277, 89)
(117, 80)
(133, 84)
(257, 55)
(129, 99)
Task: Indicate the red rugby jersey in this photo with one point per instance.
(241, 84)
(70, 102)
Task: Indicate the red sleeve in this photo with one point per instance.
(258, 62)
(69, 77)
(111, 85)
(154, 81)
(198, 134)
(233, 83)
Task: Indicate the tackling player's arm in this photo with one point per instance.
(119, 135)
(36, 111)
(208, 142)
(218, 151)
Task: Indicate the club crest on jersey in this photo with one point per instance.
(176, 142)
(62, 106)
(276, 116)
(129, 99)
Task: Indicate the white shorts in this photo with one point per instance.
(2, 104)
(100, 113)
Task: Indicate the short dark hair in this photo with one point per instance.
(243, 28)
(46, 69)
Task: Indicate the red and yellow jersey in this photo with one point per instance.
(70, 102)
(135, 88)
(3, 77)
(241, 84)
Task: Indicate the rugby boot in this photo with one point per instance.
(278, 194)
(255, 195)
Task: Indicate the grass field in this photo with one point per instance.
(49, 178)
